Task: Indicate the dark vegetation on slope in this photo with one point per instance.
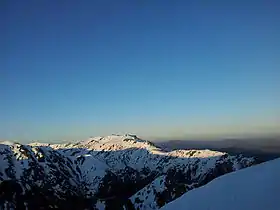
(39, 198)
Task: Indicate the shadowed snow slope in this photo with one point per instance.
(257, 188)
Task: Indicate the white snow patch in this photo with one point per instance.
(6, 142)
(100, 205)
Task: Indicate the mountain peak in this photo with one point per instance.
(116, 141)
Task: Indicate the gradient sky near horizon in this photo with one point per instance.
(73, 69)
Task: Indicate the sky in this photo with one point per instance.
(73, 69)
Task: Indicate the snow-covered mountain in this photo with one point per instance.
(113, 172)
(257, 188)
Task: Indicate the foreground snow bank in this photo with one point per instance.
(256, 188)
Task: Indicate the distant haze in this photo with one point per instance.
(157, 69)
(264, 147)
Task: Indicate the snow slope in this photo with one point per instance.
(256, 188)
(147, 194)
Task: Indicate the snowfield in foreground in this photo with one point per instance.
(253, 188)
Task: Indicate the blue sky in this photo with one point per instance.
(70, 69)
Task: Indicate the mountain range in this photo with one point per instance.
(111, 172)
